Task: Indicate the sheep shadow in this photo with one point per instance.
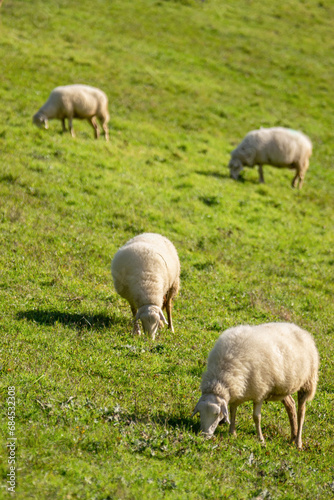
(217, 175)
(176, 422)
(77, 321)
(189, 424)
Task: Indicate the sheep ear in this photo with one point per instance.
(196, 410)
(162, 317)
(224, 411)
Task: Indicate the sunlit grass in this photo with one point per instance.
(100, 414)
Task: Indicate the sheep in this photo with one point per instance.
(146, 272)
(75, 101)
(278, 146)
(267, 362)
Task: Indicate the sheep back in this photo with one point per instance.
(145, 269)
(276, 146)
(76, 101)
(264, 362)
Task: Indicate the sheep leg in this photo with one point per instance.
(290, 407)
(93, 123)
(136, 324)
(168, 302)
(169, 311)
(302, 397)
(63, 124)
(106, 131)
(70, 126)
(302, 172)
(301, 180)
(261, 178)
(257, 420)
(297, 178)
(233, 412)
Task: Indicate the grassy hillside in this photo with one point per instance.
(102, 415)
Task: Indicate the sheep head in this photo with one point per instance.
(150, 316)
(235, 166)
(40, 120)
(212, 410)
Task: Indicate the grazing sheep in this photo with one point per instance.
(267, 362)
(278, 146)
(146, 272)
(75, 101)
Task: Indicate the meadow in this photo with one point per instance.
(101, 415)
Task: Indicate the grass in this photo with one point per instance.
(100, 414)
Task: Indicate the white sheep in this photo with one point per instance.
(278, 146)
(75, 101)
(146, 272)
(267, 362)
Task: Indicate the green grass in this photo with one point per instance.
(102, 415)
